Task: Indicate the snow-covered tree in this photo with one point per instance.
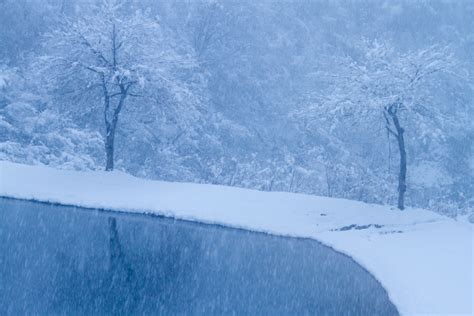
(379, 83)
(110, 56)
(32, 133)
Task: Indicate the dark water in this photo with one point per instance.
(67, 260)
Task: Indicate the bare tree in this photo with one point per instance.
(117, 56)
(381, 82)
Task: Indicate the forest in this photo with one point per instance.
(362, 100)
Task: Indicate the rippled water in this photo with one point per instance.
(68, 260)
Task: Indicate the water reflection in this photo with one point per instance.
(56, 259)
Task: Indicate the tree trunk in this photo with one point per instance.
(110, 127)
(109, 147)
(402, 187)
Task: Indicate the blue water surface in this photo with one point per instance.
(68, 260)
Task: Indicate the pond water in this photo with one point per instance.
(68, 260)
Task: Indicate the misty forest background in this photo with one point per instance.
(300, 96)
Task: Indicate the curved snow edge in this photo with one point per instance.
(421, 272)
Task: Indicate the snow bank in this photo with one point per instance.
(424, 260)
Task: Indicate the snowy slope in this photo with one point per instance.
(424, 260)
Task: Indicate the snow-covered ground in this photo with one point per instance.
(424, 260)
